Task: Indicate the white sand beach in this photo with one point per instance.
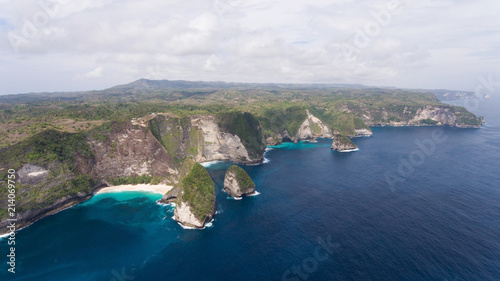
(160, 188)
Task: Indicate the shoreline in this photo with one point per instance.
(159, 188)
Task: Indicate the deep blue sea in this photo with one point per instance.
(320, 215)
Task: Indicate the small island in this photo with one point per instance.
(238, 183)
(195, 205)
(343, 144)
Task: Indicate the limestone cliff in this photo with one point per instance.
(342, 144)
(210, 137)
(312, 128)
(363, 133)
(184, 215)
(56, 170)
(218, 145)
(237, 182)
(131, 151)
(413, 115)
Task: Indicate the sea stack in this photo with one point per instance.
(237, 182)
(343, 144)
(195, 203)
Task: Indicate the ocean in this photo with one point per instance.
(414, 203)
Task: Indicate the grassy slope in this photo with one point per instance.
(276, 109)
(52, 150)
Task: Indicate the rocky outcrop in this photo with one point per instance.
(312, 128)
(343, 144)
(195, 204)
(184, 215)
(363, 133)
(439, 115)
(237, 182)
(32, 174)
(415, 115)
(170, 196)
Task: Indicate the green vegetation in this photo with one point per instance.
(280, 116)
(465, 117)
(198, 192)
(176, 135)
(144, 179)
(277, 107)
(46, 147)
(246, 127)
(56, 131)
(55, 151)
(244, 180)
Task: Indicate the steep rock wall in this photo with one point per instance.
(131, 151)
(218, 145)
(312, 128)
(202, 139)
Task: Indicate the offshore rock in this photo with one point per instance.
(237, 182)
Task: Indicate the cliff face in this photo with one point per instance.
(237, 182)
(363, 133)
(414, 115)
(184, 214)
(131, 151)
(312, 128)
(218, 145)
(210, 138)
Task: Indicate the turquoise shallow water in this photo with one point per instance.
(320, 215)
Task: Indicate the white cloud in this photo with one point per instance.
(251, 41)
(96, 73)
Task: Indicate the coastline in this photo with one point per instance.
(160, 188)
(70, 202)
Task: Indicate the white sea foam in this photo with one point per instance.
(255, 193)
(208, 164)
(263, 162)
(350, 150)
(268, 149)
(234, 198)
(186, 227)
(170, 204)
(4, 236)
(207, 225)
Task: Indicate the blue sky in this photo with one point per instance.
(62, 45)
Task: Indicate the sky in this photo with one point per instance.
(64, 45)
